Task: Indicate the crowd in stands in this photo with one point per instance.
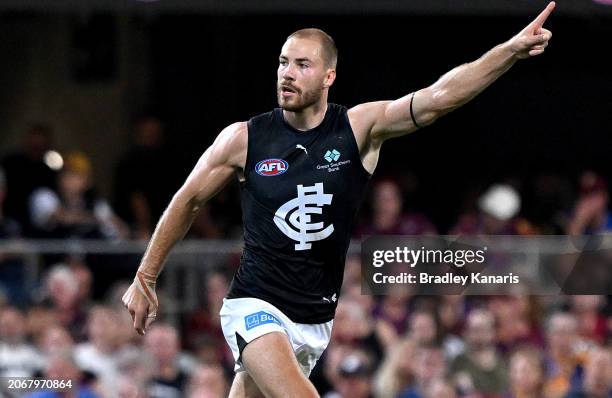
(397, 345)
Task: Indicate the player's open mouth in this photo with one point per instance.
(287, 91)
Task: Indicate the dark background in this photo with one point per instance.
(548, 114)
(209, 68)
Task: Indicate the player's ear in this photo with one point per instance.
(329, 78)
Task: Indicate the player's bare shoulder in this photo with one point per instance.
(231, 145)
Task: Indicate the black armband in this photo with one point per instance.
(412, 112)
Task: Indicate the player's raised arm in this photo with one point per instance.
(385, 119)
(214, 169)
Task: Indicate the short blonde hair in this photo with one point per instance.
(329, 53)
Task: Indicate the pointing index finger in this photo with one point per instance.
(539, 21)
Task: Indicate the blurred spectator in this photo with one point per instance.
(497, 214)
(128, 387)
(62, 287)
(353, 326)
(135, 371)
(351, 287)
(17, 357)
(12, 274)
(208, 381)
(481, 369)
(423, 328)
(395, 372)
(451, 312)
(353, 329)
(515, 325)
(388, 216)
(39, 318)
(591, 214)
(440, 388)
(101, 352)
(526, 373)
(428, 366)
(392, 310)
(205, 320)
(168, 380)
(140, 194)
(74, 211)
(26, 171)
(55, 340)
(62, 367)
(354, 377)
(325, 374)
(587, 311)
(597, 379)
(564, 353)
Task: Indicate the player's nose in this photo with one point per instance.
(288, 73)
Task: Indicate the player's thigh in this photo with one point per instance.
(271, 362)
(244, 386)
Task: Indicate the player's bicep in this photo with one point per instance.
(404, 115)
(218, 165)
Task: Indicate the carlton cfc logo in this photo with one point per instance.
(271, 167)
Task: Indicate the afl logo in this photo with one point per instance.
(271, 167)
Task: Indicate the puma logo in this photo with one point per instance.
(298, 146)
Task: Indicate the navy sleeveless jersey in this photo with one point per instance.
(300, 196)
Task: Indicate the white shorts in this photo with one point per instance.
(245, 319)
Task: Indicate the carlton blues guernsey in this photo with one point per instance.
(300, 196)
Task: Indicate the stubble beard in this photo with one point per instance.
(299, 101)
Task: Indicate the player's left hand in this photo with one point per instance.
(532, 40)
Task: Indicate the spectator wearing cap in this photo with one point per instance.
(354, 377)
(498, 208)
(74, 210)
(591, 214)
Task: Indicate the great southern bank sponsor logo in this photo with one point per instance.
(258, 319)
(271, 167)
(332, 156)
